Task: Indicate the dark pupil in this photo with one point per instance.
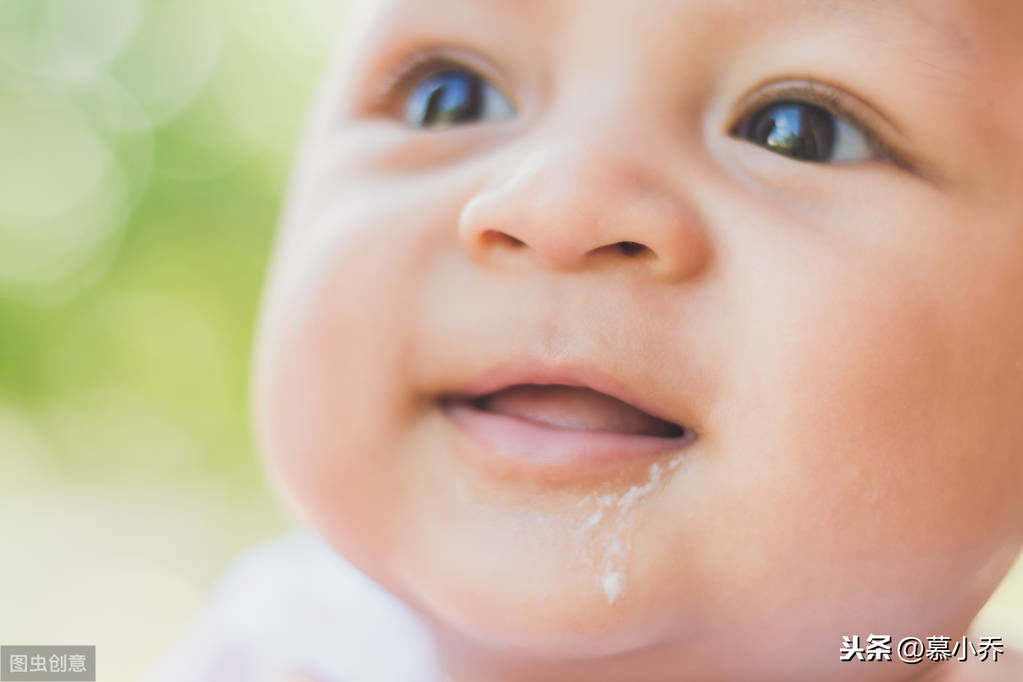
(447, 97)
(795, 129)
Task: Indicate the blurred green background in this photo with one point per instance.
(144, 149)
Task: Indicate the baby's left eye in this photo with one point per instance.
(455, 96)
(805, 132)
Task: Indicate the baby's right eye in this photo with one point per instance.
(455, 96)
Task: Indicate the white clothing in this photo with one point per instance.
(293, 607)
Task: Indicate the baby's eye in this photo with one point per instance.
(806, 132)
(452, 97)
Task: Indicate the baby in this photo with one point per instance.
(665, 341)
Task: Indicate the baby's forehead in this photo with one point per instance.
(962, 26)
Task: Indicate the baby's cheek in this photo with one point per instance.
(331, 395)
(862, 447)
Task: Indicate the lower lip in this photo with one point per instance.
(534, 445)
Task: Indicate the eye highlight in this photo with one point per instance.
(453, 96)
(806, 132)
(815, 122)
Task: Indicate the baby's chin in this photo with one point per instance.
(539, 586)
(532, 594)
(516, 585)
(513, 615)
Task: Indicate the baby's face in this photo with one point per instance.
(772, 253)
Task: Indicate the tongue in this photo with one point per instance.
(572, 407)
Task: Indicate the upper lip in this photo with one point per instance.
(522, 372)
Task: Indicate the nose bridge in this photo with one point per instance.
(575, 179)
(600, 148)
(598, 139)
(593, 183)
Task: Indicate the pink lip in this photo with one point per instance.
(533, 373)
(533, 444)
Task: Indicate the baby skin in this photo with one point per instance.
(661, 341)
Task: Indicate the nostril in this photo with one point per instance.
(498, 237)
(630, 248)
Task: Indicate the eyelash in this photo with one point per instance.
(827, 97)
(399, 82)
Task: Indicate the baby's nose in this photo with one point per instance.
(582, 203)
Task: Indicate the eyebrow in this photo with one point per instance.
(921, 11)
(956, 36)
(947, 47)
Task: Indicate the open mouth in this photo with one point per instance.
(572, 408)
(559, 420)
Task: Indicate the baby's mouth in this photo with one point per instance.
(573, 408)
